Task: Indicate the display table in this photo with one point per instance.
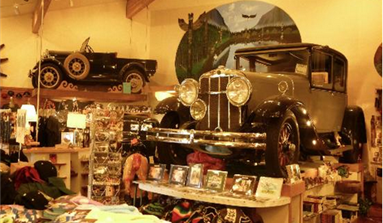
(210, 197)
(65, 160)
(286, 209)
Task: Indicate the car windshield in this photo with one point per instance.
(84, 44)
(283, 61)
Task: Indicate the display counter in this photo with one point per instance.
(286, 209)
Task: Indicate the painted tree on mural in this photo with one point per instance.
(211, 40)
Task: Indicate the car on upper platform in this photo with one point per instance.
(89, 68)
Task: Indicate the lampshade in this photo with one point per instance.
(76, 120)
(31, 112)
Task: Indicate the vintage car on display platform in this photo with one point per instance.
(282, 103)
(88, 67)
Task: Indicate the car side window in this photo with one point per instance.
(321, 70)
(339, 69)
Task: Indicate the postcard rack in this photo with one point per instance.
(105, 160)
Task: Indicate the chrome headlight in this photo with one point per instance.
(188, 91)
(238, 91)
(198, 110)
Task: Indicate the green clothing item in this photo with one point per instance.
(60, 184)
(54, 189)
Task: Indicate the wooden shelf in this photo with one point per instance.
(376, 163)
(54, 150)
(210, 197)
(98, 96)
(59, 164)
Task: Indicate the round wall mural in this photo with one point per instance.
(378, 60)
(211, 40)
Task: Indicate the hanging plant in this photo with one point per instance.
(344, 171)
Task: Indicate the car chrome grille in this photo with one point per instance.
(220, 114)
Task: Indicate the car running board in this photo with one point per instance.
(338, 151)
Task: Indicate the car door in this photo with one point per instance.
(328, 85)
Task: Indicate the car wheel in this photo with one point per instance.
(77, 66)
(136, 79)
(51, 76)
(170, 153)
(283, 144)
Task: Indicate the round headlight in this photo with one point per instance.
(238, 91)
(198, 109)
(188, 91)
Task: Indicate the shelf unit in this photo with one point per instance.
(98, 96)
(330, 188)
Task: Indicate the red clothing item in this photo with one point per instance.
(26, 174)
(209, 163)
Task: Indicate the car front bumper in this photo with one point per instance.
(235, 140)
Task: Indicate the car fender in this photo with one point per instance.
(134, 65)
(35, 69)
(353, 120)
(276, 107)
(172, 104)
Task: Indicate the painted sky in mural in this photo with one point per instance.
(211, 39)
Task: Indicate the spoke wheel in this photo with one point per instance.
(282, 144)
(136, 79)
(77, 66)
(51, 76)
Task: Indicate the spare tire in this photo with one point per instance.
(77, 66)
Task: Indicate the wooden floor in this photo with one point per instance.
(374, 215)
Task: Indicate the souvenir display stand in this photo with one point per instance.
(105, 159)
(286, 209)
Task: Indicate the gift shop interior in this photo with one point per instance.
(191, 111)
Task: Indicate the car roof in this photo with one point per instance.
(289, 46)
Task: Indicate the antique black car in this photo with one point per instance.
(282, 103)
(88, 67)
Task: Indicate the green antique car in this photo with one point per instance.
(281, 103)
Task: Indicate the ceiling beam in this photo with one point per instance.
(135, 6)
(39, 13)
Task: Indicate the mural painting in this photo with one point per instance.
(211, 40)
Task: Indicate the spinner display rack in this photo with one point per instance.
(105, 161)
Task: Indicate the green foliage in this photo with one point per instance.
(364, 206)
(344, 171)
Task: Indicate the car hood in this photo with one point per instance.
(59, 53)
(265, 85)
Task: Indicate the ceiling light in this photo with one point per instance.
(71, 3)
(16, 9)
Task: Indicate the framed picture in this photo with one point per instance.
(178, 174)
(215, 180)
(195, 175)
(67, 138)
(243, 185)
(156, 172)
(293, 173)
(269, 188)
